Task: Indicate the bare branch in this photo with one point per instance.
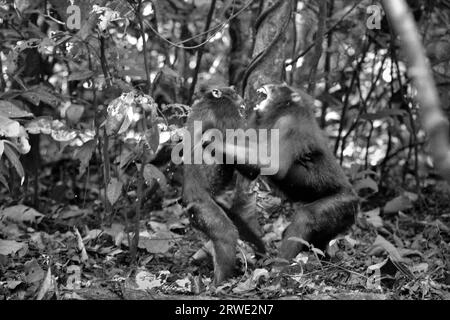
(201, 50)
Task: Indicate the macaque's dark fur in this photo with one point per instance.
(309, 173)
(203, 183)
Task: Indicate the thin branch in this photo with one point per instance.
(333, 28)
(347, 96)
(327, 68)
(319, 46)
(144, 45)
(214, 31)
(201, 50)
(103, 62)
(106, 164)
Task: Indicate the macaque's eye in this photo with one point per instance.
(216, 93)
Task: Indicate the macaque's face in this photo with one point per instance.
(221, 96)
(274, 96)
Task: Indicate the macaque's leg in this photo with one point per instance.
(243, 214)
(319, 223)
(209, 218)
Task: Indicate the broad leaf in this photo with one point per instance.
(9, 128)
(152, 136)
(80, 75)
(10, 110)
(120, 112)
(302, 241)
(3, 181)
(152, 173)
(12, 156)
(39, 94)
(74, 113)
(63, 134)
(39, 125)
(114, 190)
(84, 154)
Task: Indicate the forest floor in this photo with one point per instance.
(70, 249)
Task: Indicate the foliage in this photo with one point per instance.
(87, 116)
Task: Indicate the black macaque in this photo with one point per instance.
(308, 172)
(203, 184)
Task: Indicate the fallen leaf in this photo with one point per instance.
(92, 235)
(36, 238)
(10, 230)
(72, 212)
(419, 268)
(382, 245)
(400, 203)
(33, 271)
(301, 258)
(409, 252)
(81, 247)
(279, 226)
(47, 285)
(158, 226)
(147, 281)
(11, 247)
(184, 284)
(260, 273)
(159, 242)
(74, 279)
(352, 242)
(11, 284)
(21, 213)
(245, 286)
(318, 252)
(373, 218)
(374, 271)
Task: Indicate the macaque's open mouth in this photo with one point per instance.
(261, 95)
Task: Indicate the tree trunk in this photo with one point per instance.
(269, 53)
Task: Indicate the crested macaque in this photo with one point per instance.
(204, 183)
(308, 172)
